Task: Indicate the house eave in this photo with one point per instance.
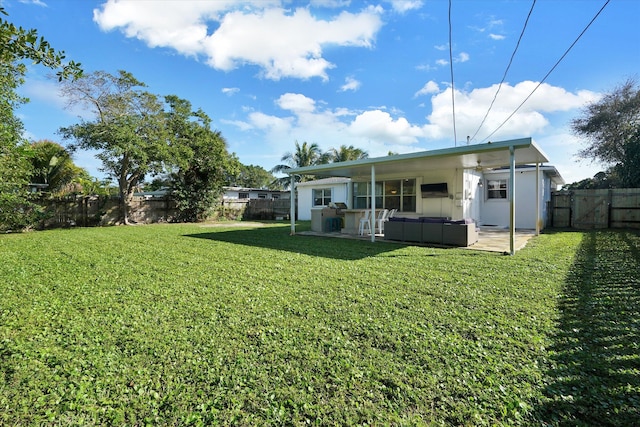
(488, 155)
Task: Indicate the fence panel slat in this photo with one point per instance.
(598, 208)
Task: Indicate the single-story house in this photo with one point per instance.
(503, 184)
(243, 193)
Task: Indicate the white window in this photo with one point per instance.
(243, 195)
(496, 189)
(321, 197)
(391, 194)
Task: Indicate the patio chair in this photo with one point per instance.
(380, 220)
(365, 222)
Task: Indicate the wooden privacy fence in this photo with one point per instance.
(585, 209)
(89, 211)
(267, 209)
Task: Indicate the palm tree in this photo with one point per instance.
(52, 165)
(344, 154)
(304, 155)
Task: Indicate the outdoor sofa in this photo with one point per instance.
(435, 230)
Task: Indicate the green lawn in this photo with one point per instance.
(190, 325)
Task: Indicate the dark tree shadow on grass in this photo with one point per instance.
(278, 238)
(595, 376)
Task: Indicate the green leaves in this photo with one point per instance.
(129, 127)
(16, 45)
(611, 129)
(199, 159)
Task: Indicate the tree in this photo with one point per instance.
(345, 154)
(304, 155)
(52, 165)
(601, 180)
(16, 45)
(251, 176)
(129, 128)
(201, 161)
(611, 128)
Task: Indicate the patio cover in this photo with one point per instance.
(490, 155)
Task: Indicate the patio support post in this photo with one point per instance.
(373, 203)
(512, 199)
(537, 198)
(292, 205)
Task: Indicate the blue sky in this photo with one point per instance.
(374, 74)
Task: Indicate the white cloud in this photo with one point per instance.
(380, 130)
(350, 84)
(462, 57)
(429, 88)
(426, 67)
(296, 103)
(403, 6)
(271, 123)
(496, 36)
(441, 47)
(381, 127)
(230, 91)
(244, 34)
(330, 3)
(48, 92)
(472, 106)
(442, 62)
(36, 2)
(240, 124)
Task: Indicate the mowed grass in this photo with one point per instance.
(191, 325)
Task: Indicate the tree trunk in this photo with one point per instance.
(126, 189)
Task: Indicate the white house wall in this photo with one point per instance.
(496, 212)
(466, 198)
(305, 197)
(440, 206)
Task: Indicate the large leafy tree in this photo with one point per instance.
(128, 128)
(251, 176)
(304, 155)
(201, 162)
(611, 129)
(16, 45)
(345, 154)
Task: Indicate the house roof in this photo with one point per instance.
(264, 190)
(490, 155)
(324, 181)
(548, 170)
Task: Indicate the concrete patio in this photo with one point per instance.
(491, 239)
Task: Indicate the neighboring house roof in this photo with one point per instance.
(252, 189)
(324, 181)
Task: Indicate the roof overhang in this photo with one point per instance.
(490, 155)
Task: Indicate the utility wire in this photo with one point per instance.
(506, 70)
(550, 71)
(453, 96)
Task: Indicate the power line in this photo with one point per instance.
(550, 71)
(453, 96)
(506, 70)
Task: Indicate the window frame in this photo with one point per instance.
(324, 197)
(406, 198)
(501, 192)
